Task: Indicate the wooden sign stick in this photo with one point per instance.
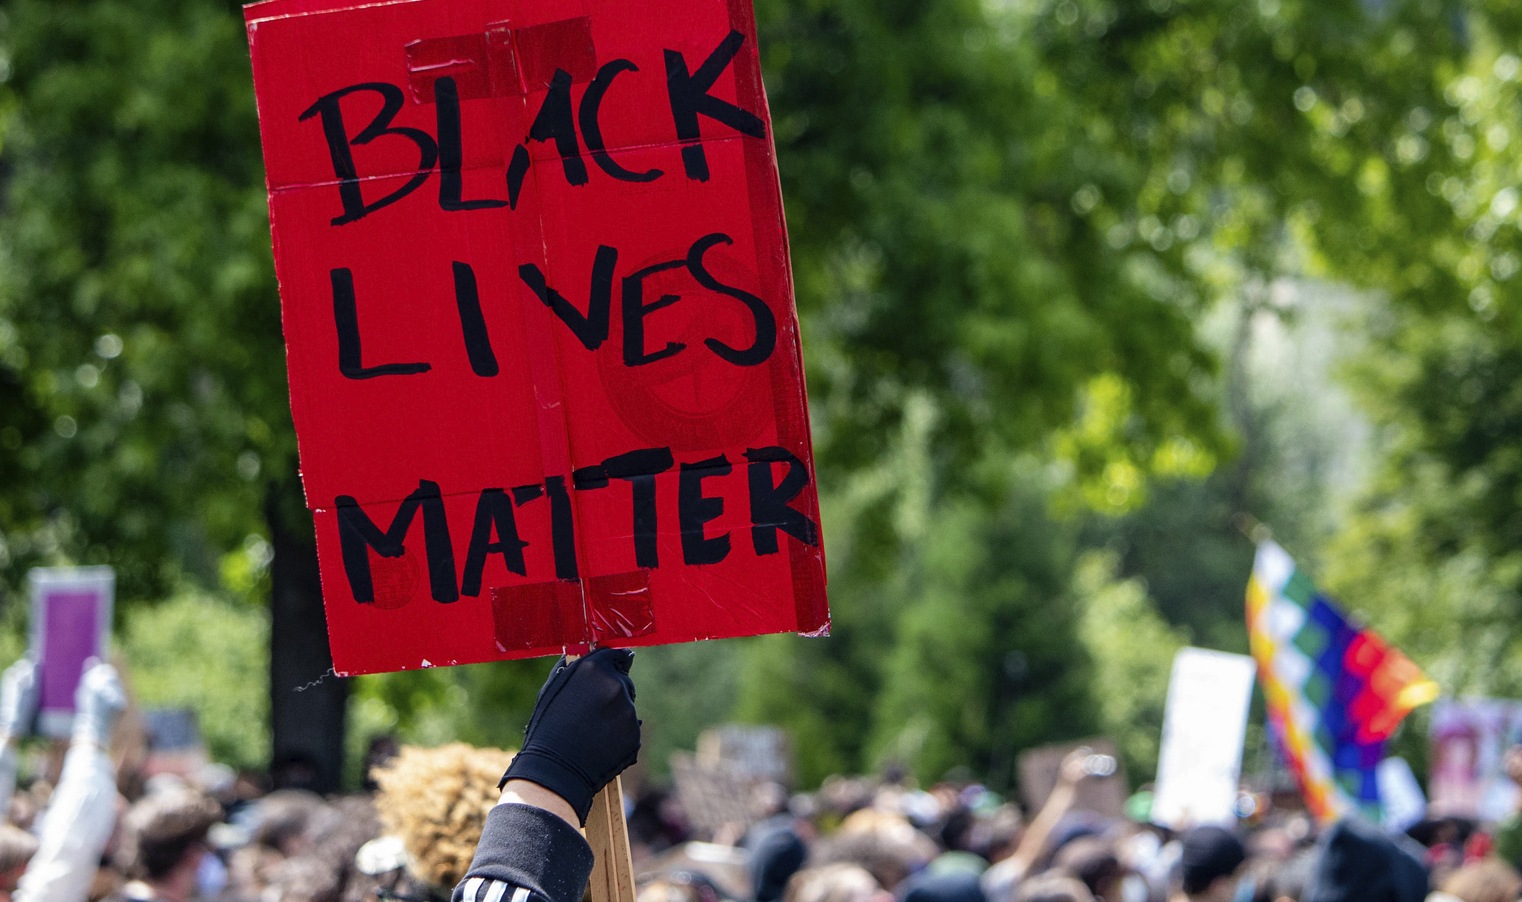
(608, 834)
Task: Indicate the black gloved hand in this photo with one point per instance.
(583, 732)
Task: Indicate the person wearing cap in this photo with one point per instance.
(948, 886)
(1208, 863)
(582, 734)
(1358, 862)
(777, 853)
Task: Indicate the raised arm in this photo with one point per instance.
(18, 708)
(583, 733)
(82, 813)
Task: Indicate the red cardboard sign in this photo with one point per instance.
(539, 325)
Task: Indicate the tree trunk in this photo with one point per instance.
(307, 702)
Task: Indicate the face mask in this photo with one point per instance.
(211, 877)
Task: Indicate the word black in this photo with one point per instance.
(556, 122)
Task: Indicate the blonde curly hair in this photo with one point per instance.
(436, 801)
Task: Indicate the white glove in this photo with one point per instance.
(19, 696)
(98, 703)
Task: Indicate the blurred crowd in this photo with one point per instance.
(881, 840)
(211, 836)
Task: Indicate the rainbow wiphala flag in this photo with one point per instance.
(1335, 692)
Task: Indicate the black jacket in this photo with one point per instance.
(528, 848)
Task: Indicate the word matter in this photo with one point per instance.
(495, 527)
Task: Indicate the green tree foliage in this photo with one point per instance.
(955, 648)
(1132, 648)
(952, 237)
(137, 307)
(1432, 549)
(223, 643)
(136, 295)
(964, 228)
(1007, 220)
(984, 662)
(942, 261)
(1136, 163)
(1301, 450)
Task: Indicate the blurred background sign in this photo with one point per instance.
(1469, 738)
(71, 621)
(1204, 727)
(755, 753)
(1038, 776)
(174, 742)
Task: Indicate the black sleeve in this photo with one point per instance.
(529, 847)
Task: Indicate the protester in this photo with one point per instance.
(885, 843)
(502, 828)
(839, 882)
(435, 801)
(278, 826)
(1094, 862)
(323, 865)
(1209, 860)
(16, 849)
(1004, 877)
(1053, 888)
(81, 814)
(18, 708)
(1281, 880)
(1358, 863)
(164, 846)
(1489, 880)
(954, 886)
(583, 733)
(1509, 831)
(776, 853)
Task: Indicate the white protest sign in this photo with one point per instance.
(1400, 795)
(1204, 726)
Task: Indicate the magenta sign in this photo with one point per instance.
(71, 620)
